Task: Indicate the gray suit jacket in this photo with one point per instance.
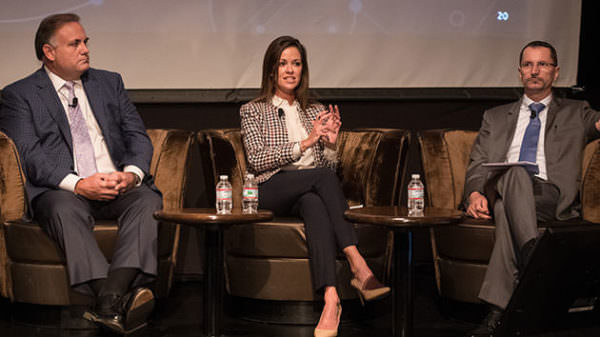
(33, 116)
(570, 125)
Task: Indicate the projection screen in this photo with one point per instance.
(219, 44)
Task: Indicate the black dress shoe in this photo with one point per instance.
(71, 318)
(111, 322)
(123, 314)
(489, 324)
(137, 306)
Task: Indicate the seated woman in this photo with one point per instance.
(290, 144)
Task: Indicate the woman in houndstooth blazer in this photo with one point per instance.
(290, 146)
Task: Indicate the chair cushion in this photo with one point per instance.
(469, 241)
(28, 243)
(285, 238)
(286, 279)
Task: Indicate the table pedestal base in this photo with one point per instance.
(215, 280)
(403, 285)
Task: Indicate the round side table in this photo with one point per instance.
(214, 280)
(397, 219)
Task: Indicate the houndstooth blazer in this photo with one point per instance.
(266, 141)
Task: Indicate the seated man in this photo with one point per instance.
(86, 156)
(539, 128)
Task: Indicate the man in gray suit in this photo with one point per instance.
(540, 128)
(86, 156)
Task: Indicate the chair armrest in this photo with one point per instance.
(222, 152)
(445, 156)
(170, 164)
(372, 165)
(13, 203)
(590, 185)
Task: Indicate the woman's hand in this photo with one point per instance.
(318, 131)
(333, 122)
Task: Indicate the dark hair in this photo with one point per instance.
(48, 27)
(271, 67)
(543, 44)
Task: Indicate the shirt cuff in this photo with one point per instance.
(330, 154)
(137, 171)
(68, 183)
(296, 153)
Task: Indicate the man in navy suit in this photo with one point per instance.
(86, 156)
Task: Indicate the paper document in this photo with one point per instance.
(502, 165)
(356, 206)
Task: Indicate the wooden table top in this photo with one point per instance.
(206, 216)
(394, 216)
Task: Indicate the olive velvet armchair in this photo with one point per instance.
(32, 267)
(461, 253)
(269, 261)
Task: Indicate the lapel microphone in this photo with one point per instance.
(74, 104)
(280, 112)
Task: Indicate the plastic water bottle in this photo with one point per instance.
(224, 201)
(416, 196)
(250, 195)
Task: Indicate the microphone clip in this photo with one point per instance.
(74, 104)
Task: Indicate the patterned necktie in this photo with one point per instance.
(82, 143)
(532, 134)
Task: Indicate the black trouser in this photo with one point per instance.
(520, 201)
(316, 196)
(69, 219)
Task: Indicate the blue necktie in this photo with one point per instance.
(532, 134)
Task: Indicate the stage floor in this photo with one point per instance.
(181, 315)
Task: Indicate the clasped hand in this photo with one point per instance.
(326, 126)
(105, 186)
(478, 206)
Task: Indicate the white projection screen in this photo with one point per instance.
(219, 44)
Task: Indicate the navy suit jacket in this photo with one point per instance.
(33, 116)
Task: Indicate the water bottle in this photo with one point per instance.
(250, 195)
(224, 201)
(416, 195)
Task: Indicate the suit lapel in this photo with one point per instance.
(51, 101)
(552, 112)
(511, 122)
(96, 100)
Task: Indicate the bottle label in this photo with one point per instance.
(224, 193)
(415, 193)
(250, 193)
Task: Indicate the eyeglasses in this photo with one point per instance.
(527, 66)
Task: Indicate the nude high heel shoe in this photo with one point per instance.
(370, 290)
(330, 332)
